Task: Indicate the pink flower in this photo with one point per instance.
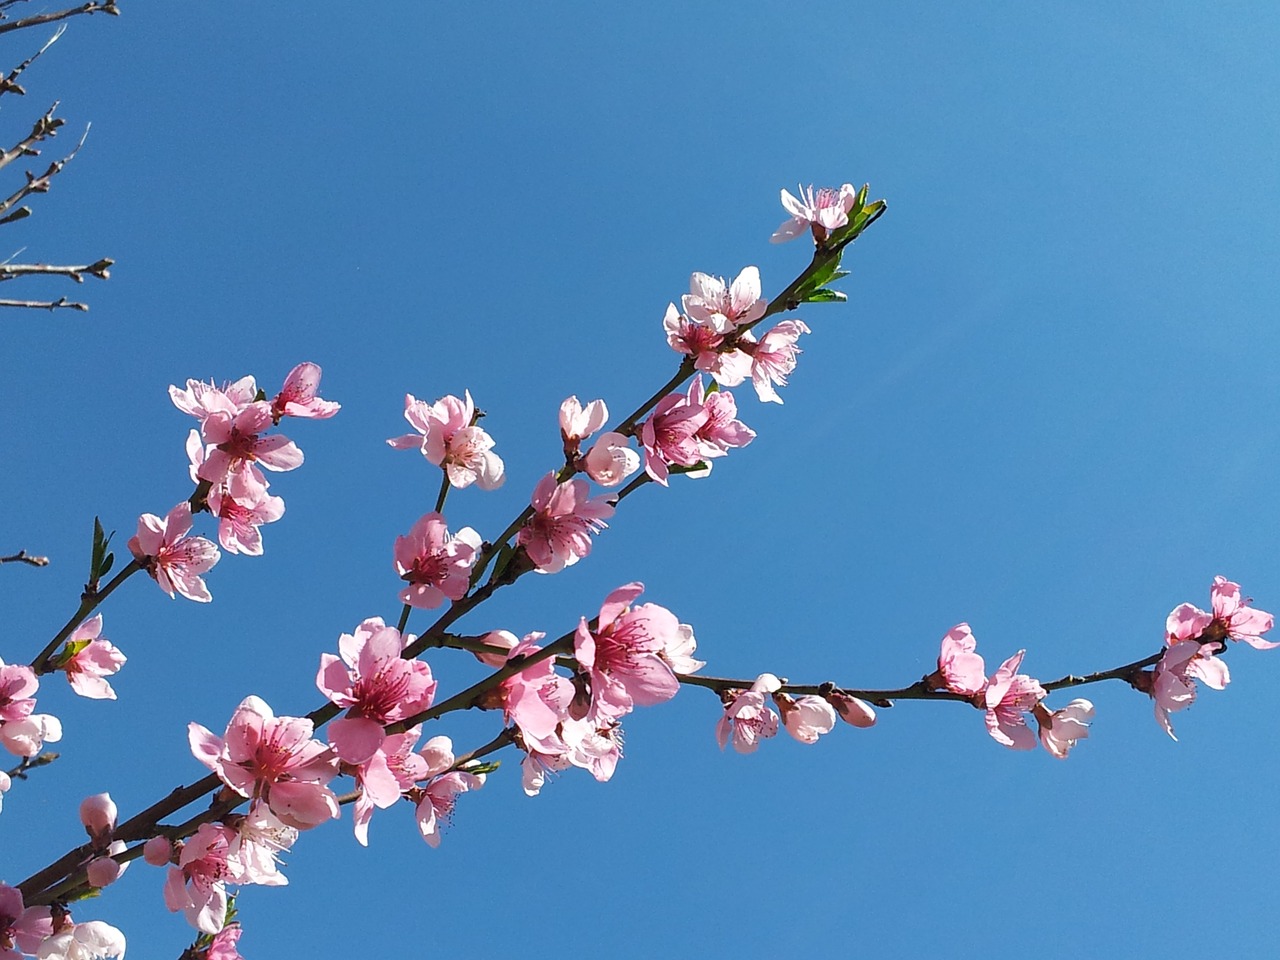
(241, 504)
(197, 885)
(1060, 729)
(297, 398)
(1008, 695)
(748, 716)
(253, 855)
(722, 431)
(174, 560)
(98, 814)
(23, 732)
(272, 758)
(670, 434)
(723, 308)
(1241, 621)
(223, 944)
(960, 670)
(238, 444)
(774, 357)
(853, 711)
(105, 870)
(806, 718)
(1172, 683)
(436, 806)
(611, 460)
(558, 534)
(92, 940)
(448, 438)
(820, 212)
(436, 565)
(91, 660)
(577, 423)
(622, 656)
(376, 686)
(202, 400)
(23, 927)
(385, 776)
(536, 699)
(18, 684)
(679, 651)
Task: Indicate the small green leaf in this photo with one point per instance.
(825, 296)
(107, 561)
(484, 766)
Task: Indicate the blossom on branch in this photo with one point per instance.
(174, 560)
(748, 718)
(237, 444)
(805, 718)
(21, 926)
(436, 565)
(297, 398)
(23, 732)
(201, 400)
(448, 437)
(91, 659)
(960, 670)
(91, 940)
(818, 212)
(558, 534)
(723, 307)
(774, 357)
(611, 460)
(1060, 729)
(197, 884)
(1008, 696)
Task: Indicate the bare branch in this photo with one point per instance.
(30, 763)
(61, 302)
(23, 557)
(10, 83)
(46, 126)
(35, 184)
(94, 6)
(99, 269)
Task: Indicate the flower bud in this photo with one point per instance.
(98, 814)
(103, 871)
(851, 709)
(157, 851)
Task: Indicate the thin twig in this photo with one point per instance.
(10, 83)
(99, 268)
(94, 6)
(23, 557)
(61, 302)
(30, 763)
(35, 184)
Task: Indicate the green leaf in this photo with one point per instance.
(825, 296)
(107, 561)
(484, 766)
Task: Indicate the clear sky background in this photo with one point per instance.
(1048, 409)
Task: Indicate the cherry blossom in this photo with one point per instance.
(748, 718)
(679, 651)
(622, 655)
(297, 398)
(722, 431)
(174, 560)
(960, 670)
(1009, 694)
(374, 684)
(447, 437)
(436, 565)
(577, 423)
(91, 659)
(611, 460)
(92, 940)
(558, 534)
(223, 944)
(720, 307)
(158, 851)
(774, 357)
(385, 776)
(20, 926)
(201, 400)
(435, 808)
(197, 884)
(670, 434)
(819, 211)
(253, 851)
(272, 758)
(1241, 621)
(105, 870)
(1172, 683)
(536, 699)
(805, 718)
(236, 444)
(1060, 729)
(241, 504)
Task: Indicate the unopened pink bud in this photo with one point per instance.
(98, 814)
(852, 710)
(102, 871)
(157, 851)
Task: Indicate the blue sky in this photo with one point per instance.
(1046, 410)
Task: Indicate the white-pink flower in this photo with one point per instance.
(748, 718)
(774, 357)
(819, 212)
(960, 670)
(197, 884)
(622, 656)
(91, 940)
(23, 732)
(724, 307)
(272, 758)
(852, 710)
(435, 564)
(435, 809)
(21, 926)
(611, 460)
(297, 398)
(670, 434)
(201, 400)
(174, 560)
(1060, 729)
(577, 423)
(237, 443)
(242, 504)
(92, 659)
(1008, 696)
(98, 814)
(722, 431)
(1172, 683)
(805, 718)
(1241, 621)
(447, 437)
(565, 517)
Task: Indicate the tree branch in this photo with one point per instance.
(23, 557)
(10, 83)
(94, 6)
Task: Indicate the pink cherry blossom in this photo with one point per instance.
(748, 718)
(720, 307)
(253, 855)
(679, 651)
(201, 400)
(18, 684)
(622, 655)
(611, 460)
(385, 776)
(960, 670)
(436, 565)
(1060, 729)
(447, 437)
(21, 926)
(174, 560)
(558, 534)
(805, 718)
(536, 699)
(98, 814)
(23, 732)
(774, 357)
(297, 398)
(852, 710)
(374, 684)
(670, 434)
(272, 758)
(1172, 683)
(819, 211)
(223, 944)
(577, 423)
(438, 798)
(197, 885)
(105, 870)
(241, 504)
(91, 940)
(92, 660)
(1008, 696)
(712, 352)
(722, 431)
(1241, 621)
(237, 444)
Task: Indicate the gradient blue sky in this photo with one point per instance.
(1048, 410)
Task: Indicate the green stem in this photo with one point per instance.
(88, 603)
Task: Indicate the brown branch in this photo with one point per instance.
(94, 6)
(23, 557)
(44, 128)
(51, 305)
(10, 83)
(99, 268)
(31, 763)
(34, 184)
